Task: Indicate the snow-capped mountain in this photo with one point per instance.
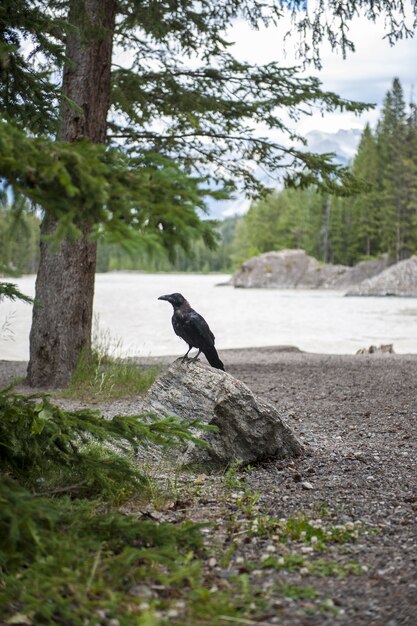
(344, 143)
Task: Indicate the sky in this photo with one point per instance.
(365, 75)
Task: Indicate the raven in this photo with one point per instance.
(193, 328)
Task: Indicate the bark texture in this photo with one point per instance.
(62, 319)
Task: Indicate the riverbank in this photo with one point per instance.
(357, 418)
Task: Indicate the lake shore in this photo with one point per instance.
(356, 415)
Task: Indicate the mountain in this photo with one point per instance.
(343, 143)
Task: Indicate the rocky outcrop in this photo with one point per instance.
(398, 280)
(249, 429)
(362, 271)
(286, 269)
(290, 269)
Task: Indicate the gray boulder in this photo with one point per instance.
(398, 280)
(362, 271)
(291, 269)
(249, 429)
(286, 269)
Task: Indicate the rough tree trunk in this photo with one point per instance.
(61, 325)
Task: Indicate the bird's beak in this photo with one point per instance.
(167, 298)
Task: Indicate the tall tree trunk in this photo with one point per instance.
(62, 317)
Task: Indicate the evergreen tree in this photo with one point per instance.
(365, 216)
(391, 134)
(176, 122)
(410, 179)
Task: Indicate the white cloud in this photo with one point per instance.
(365, 75)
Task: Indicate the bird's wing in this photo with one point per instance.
(194, 329)
(199, 323)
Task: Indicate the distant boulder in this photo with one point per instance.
(362, 271)
(291, 269)
(248, 429)
(398, 280)
(387, 348)
(286, 269)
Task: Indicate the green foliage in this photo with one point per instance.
(101, 375)
(73, 561)
(318, 567)
(31, 47)
(198, 258)
(47, 448)
(316, 532)
(380, 218)
(288, 219)
(19, 240)
(11, 292)
(146, 200)
(209, 110)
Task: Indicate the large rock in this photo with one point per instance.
(362, 271)
(290, 269)
(397, 280)
(286, 269)
(249, 429)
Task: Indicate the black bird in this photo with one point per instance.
(193, 328)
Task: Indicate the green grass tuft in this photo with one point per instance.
(99, 377)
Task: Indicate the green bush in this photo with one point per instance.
(48, 449)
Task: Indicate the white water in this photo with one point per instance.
(316, 321)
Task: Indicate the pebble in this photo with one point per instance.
(307, 485)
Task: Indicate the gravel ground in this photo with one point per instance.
(357, 417)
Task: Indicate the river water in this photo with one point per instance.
(132, 322)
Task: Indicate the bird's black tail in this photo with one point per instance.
(213, 358)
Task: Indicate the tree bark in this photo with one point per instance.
(62, 317)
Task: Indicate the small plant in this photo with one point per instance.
(6, 330)
(319, 567)
(99, 377)
(231, 478)
(315, 531)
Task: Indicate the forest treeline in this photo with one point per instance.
(381, 218)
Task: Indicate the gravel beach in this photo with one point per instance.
(357, 418)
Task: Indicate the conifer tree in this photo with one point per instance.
(365, 218)
(410, 180)
(176, 121)
(391, 135)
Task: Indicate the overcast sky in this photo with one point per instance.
(364, 75)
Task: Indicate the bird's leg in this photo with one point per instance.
(186, 354)
(196, 356)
